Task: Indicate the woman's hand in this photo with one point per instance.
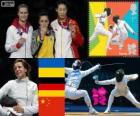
(23, 38)
(18, 109)
(73, 30)
(22, 41)
(43, 32)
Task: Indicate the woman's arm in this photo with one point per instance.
(103, 15)
(35, 44)
(10, 45)
(87, 72)
(129, 28)
(3, 92)
(68, 70)
(106, 82)
(5, 89)
(33, 108)
(132, 76)
(4, 111)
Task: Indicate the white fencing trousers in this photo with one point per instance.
(129, 96)
(120, 38)
(132, 99)
(74, 94)
(101, 30)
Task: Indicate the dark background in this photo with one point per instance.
(131, 67)
(7, 73)
(77, 10)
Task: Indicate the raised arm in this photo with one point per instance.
(129, 28)
(89, 71)
(103, 15)
(132, 76)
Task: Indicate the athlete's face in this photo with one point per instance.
(20, 70)
(62, 11)
(44, 21)
(23, 14)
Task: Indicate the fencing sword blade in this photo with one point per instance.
(112, 64)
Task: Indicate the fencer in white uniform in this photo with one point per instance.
(19, 35)
(121, 89)
(120, 31)
(100, 29)
(22, 90)
(73, 80)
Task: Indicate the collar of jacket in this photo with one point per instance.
(65, 23)
(23, 80)
(18, 26)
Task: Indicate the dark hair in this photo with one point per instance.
(22, 6)
(108, 10)
(25, 64)
(43, 13)
(62, 2)
(116, 18)
(119, 75)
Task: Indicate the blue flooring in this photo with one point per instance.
(83, 108)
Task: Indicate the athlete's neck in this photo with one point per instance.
(22, 23)
(61, 20)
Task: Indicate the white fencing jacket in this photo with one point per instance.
(63, 41)
(12, 38)
(25, 92)
(75, 76)
(122, 29)
(121, 88)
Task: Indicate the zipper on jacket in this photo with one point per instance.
(61, 41)
(25, 47)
